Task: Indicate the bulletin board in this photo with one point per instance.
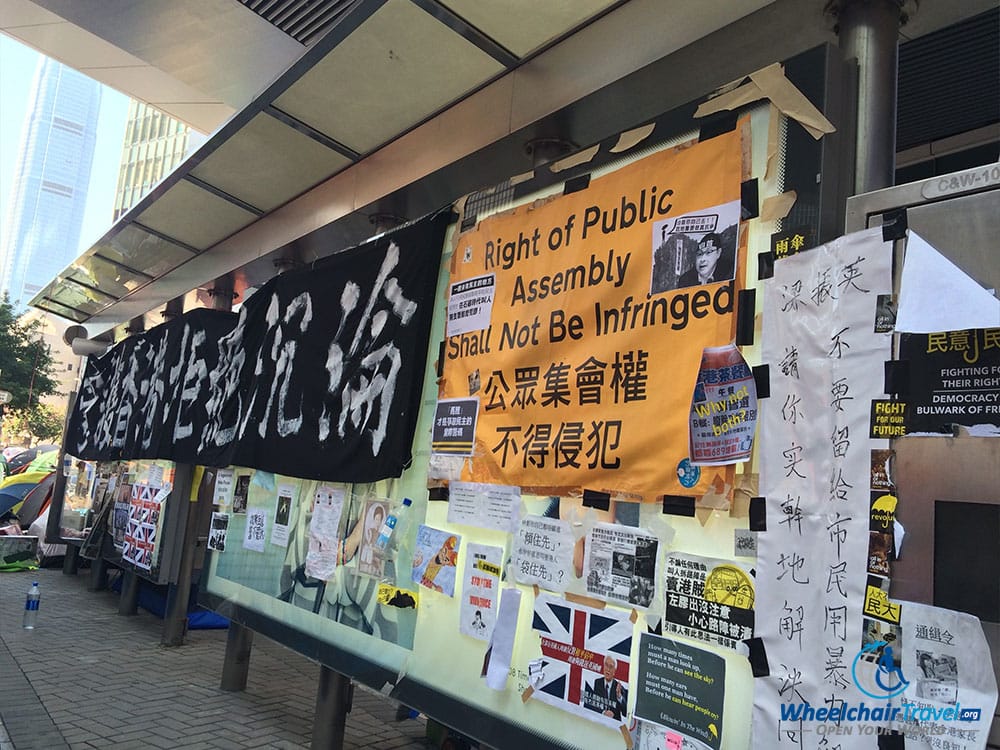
(488, 551)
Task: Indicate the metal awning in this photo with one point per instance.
(373, 115)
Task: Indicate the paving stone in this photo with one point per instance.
(89, 679)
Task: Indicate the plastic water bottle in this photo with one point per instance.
(389, 525)
(31, 607)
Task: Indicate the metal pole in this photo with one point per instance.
(71, 562)
(199, 513)
(179, 591)
(236, 664)
(869, 32)
(128, 604)
(333, 703)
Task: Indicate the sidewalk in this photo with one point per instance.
(89, 678)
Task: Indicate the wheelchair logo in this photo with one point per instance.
(888, 678)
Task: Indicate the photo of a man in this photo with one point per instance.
(707, 268)
(695, 249)
(609, 695)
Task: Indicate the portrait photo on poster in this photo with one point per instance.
(695, 249)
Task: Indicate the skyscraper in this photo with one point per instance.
(41, 232)
(154, 144)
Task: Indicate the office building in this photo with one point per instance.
(42, 229)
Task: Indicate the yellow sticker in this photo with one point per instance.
(729, 585)
(877, 604)
(393, 596)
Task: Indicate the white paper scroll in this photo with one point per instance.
(826, 366)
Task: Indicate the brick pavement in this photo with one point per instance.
(88, 678)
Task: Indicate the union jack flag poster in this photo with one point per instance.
(586, 655)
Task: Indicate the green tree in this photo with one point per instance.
(26, 366)
(44, 423)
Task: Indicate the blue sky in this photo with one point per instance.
(17, 71)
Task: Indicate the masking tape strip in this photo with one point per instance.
(526, 695)
(771, 83)
(625, 734)
(777, 206)
(631, 138)
(586, 601)
(574, 160)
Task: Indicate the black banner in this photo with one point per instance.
(320, 377)
(954, 379)
(146, 397)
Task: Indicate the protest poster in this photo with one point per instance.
(223, 487)
(256, 530)
(585, 664)
(682, 688)
(470, 305)
(241, 491)
(620, 565)
(723, 408)
(324, 532)
(319, 376)
(709, 599)
(217, 532)
(142, 529)
(826, 366)
(480, 591)
(954, 379)
(435, 559)
(602, 303)
(282, 515)
(487, 506)
(543, 553)
(951, 685)
(370, 559)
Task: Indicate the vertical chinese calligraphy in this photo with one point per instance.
(815, 465)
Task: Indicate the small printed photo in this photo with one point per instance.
(475, 382)
(240, 493)
(695, 249)
(283, 511)
(622, 564)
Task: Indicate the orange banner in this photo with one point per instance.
(578, 324)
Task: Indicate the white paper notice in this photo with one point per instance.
(621, 564)
(936, 295)
(256, 531)
(501, 648)
(217, 532)
(826, 364)
(486, 506)
(470, 305)
(946, 660)
(480, 591)
(324, 532)
(543, 553)
(155, 476)
(282, 515)
(223, 487)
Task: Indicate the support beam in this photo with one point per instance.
(236, 665)
(333, 703)
(128, 604)
(98, 575)
(869, 33)
(71, 562)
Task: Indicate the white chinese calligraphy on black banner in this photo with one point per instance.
(146, 397)
(320, 377)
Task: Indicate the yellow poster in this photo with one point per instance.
(576, 327)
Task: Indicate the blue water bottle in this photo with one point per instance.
(389, 525)
(31, 607)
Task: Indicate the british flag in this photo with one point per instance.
(575, 641)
